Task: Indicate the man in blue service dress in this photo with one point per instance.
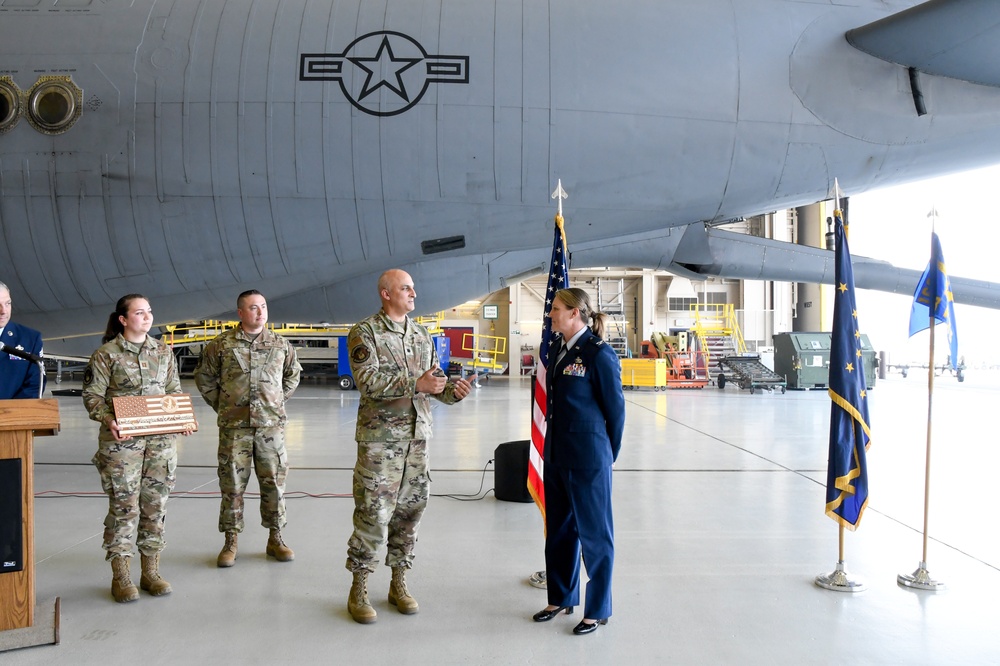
(19, 378)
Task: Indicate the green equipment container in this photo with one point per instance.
(804, 359)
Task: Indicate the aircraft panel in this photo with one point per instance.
(467, 165)
(184, 140)
(664, 162)
(200, 250)
(536, 66)
(230, 49)
(508, 156)
(509, 57)
(251, 148)
(264, 236)
(537, 151)
(224, 136)
(593, 49)
(33, 238)
(331, 126)
(87, 233)
(197, 36)
(130, 256)
(345, 230)
(763, 60)
(410, 146)
(756, 143)
(304, 235)
(801, 156)
(374, 230)
(257, 52)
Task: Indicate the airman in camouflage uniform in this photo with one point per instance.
(246, 374)
(396, 369)
(137, 473)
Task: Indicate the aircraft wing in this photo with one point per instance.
(959, 39)
(698, 251)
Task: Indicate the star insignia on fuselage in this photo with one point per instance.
(389, 61)
(383, 66)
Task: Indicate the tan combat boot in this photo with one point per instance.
(227, 556)
(150, 580)
(398, 594)
(122, 588)
(357, 602)
(277, 549)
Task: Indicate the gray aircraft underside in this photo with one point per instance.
(189, 150)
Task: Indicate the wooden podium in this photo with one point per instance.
(20, 422)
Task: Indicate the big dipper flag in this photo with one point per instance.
(558, 279)
(850, 436)
(933, 298)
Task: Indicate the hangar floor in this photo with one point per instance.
(720, 533)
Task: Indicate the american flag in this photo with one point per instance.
(154, 414)
(558, 279)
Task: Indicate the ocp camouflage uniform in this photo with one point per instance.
(391, 483)
(139, 473)
(247, 381)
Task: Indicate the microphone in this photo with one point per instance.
(20, 353)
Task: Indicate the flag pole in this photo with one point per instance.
(558, 279)
(838, 579)
(921, 579)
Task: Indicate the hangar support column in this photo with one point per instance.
(810, 230)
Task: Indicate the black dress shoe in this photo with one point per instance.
(587, 628)
(546, 615)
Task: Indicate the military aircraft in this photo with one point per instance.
(191, 149)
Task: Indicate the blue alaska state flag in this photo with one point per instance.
(850, 435)
(933, 297)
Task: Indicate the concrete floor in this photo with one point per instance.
(720, 532)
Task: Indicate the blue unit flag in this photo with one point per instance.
(850, 435)
(933, 298)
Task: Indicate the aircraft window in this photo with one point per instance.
(54, 104)
(10, 111)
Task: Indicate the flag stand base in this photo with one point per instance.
(838, 581)
(539, 580)
(920, 580)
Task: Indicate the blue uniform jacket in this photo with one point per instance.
(586, 407)
(19, 378)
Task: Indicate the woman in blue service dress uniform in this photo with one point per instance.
(585, 417)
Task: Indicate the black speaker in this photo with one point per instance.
(510, 472)
(11, 534)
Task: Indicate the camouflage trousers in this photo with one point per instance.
(391, 486)
(264, 449)
(137, 475)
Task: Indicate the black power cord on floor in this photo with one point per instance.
(475, 497)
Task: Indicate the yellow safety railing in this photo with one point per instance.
(186, 334)
(432, 322)
(485, 350)
(717, 320)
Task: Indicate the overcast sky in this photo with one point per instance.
(893, 224)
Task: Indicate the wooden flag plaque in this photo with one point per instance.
(154, 414)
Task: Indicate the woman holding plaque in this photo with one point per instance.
(137, 472)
